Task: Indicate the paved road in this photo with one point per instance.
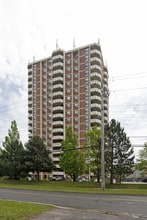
(84, 205)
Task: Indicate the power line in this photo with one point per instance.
(113, 79)
(124, 90)
(133, 74)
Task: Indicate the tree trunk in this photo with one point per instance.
(38, 178)
(111, 175)
(74, 178)
(98, 175)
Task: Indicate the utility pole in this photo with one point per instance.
(102, 143)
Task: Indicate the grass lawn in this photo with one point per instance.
(11, 210)
(88, 187)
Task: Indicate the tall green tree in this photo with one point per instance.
(1, 168)
(142, 160)
(93, 150)
(72, 160)
(120, 154)
(12, 153)
(37, 156)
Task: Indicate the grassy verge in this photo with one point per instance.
(11, 210)
(130, 189)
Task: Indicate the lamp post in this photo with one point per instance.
(102, 144)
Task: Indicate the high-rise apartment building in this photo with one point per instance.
(66, 89)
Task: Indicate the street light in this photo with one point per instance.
(102, 144)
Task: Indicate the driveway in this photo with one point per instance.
(77, 214)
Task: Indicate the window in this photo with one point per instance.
(76, 61)
(76, 126)
(68, 55)
(75, 76)
(68, 105)
(68, 112)
(68, 68)
(76, 68)
(76, 105)
(68, 61)
(68, 83)
(68, 76)
(76, 83)
(76, 90)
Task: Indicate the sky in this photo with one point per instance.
(31, 28)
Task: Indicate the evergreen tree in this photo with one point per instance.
(71, 159)
(37, 156)
(120, 154)
(12, 153)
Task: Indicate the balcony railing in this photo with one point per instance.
(58, 137)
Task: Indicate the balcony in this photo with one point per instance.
(58, 86)
(95, 113)
(55, 159)
(105, 80)
(57, 94)
(58, 130)
(30, 103)
(95, 68)
(105, 106)
(105, 73)
(95, 99)
(96, 90)
(57, 101)
(95, 106)
(95, 59)
(95, 82)
(56, 144)
(29, 128)
(57, 116)
(58, 137)
(58, 64)
(29, 78)
(58, 108)
(58, 72)
(30, 122)
(95, 121)
(30, 95)
(30, 90)
(59, 123)
(57, 80)
(57, 57)
(96, 76)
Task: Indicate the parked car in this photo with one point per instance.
(58, 178)
(144, 180)
(82, 179)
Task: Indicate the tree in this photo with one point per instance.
(142, 161)
(93, 150)
(120, 154)
(11, 154)
(37, 156)
(72, 160)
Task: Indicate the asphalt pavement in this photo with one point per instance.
(78, 206)
(78, 214)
